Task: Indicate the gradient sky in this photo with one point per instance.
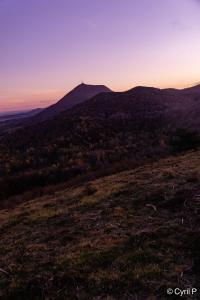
(49, 46)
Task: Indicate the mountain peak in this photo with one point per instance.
(79, 94)
(94, 86)
(88, 90)
(82, 84)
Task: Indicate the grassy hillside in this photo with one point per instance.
(126, 236)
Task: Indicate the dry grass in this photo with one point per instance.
(126, 236)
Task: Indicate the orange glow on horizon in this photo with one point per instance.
(40, 99)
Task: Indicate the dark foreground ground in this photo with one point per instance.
(127, 236)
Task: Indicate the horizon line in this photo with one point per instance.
(25, 108)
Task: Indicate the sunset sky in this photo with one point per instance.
(49, 46)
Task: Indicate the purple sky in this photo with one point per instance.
(49, 46)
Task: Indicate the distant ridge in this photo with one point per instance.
(185, 100)
(193, 89)
(11, 115)
(143, 90)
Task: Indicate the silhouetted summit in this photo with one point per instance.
(78, 95)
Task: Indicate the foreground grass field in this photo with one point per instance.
(127, 236)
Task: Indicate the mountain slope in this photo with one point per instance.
(136, 111)
(127, 236)
(110, 132)
(78, 95)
